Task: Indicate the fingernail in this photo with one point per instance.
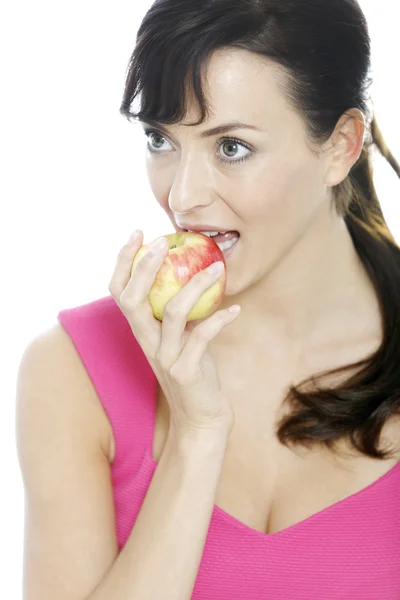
(159, 245)
(234, 309)
(134, 236)
(215, 268)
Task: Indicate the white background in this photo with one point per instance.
(73, 183)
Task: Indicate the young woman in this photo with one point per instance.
(252, 454)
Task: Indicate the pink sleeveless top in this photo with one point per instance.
(350, 550)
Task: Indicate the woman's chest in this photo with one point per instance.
(269, 487)
(266, 485)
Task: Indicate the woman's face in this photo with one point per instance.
(274, 185)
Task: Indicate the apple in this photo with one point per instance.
(188, 254)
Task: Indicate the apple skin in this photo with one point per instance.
(188, 254)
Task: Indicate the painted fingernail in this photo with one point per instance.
(215, 268)
(159, 245)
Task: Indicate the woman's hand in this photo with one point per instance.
(179, 359)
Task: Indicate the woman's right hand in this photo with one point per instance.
(180, 359)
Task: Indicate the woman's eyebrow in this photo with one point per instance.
(223, 128)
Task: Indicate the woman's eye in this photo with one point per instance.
(230, 148)
(151, 134)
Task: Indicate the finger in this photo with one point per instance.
(175, 315)
(135, 299)
(189, 365)
(142, 280)
(121, 275)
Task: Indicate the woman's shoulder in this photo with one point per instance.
(52, 377)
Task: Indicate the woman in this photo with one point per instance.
(182, 460)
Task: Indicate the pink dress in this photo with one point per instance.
(350, 550)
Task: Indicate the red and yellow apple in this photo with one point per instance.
(188, 254)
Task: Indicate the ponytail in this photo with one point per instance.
(371, 396)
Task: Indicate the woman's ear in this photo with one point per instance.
(345, 146)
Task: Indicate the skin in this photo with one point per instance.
(295, 273)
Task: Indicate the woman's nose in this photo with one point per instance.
(192, 186)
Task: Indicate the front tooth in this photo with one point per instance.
(210, 233)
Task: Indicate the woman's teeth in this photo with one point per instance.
(225, 245)
(222, 244)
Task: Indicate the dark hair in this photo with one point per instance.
(324, 48)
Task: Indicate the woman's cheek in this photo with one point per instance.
(159, 182)
(158, 188)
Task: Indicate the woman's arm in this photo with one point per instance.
(70, 540)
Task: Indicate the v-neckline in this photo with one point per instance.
(230, 519)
